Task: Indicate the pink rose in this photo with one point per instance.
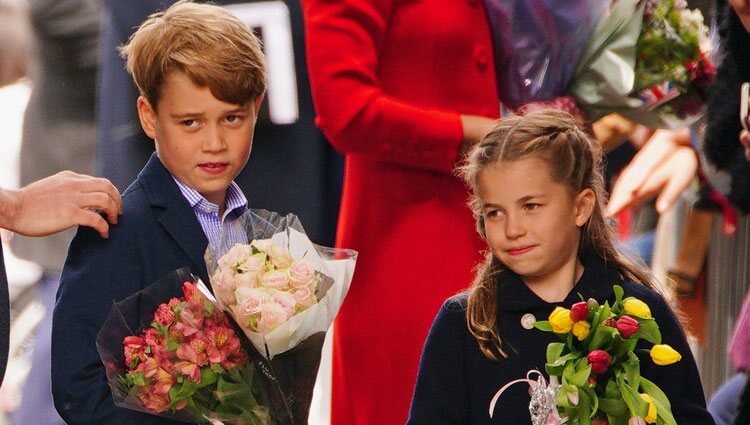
(249, 301)
(271, 317)
(305, 297)
(275, 279)
(286, 301)
(223, 285)
(301, 274)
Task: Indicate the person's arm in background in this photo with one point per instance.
(59, 202)
(344, 41)
(742, 8)
(663, 167)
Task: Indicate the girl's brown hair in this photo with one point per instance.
(574, 160)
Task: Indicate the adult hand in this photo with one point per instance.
(742, 8)
(59, 202)
(665, 166)
(475, 127)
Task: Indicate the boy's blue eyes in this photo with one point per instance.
(230, 119)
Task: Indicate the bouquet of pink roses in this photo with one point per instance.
(283, 291)
(186, 363)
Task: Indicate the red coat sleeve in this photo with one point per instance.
(344, 38)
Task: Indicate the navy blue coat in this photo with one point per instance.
(156, 234)
(4, 317)
(456, 382)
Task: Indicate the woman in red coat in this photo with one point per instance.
(401, 87)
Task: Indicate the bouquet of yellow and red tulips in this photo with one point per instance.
(596, 367)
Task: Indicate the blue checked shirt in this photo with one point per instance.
(208, 215)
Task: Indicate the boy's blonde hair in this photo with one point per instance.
(573, 160)
(206, 42)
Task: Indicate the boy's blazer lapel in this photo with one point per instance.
(175, 214)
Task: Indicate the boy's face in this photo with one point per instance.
(203, 141)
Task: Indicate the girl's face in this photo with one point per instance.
(532, 223)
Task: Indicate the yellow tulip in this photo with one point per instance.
(651, 415)
(581, 329)
(664, 355)
(560, 320)
(636, 307)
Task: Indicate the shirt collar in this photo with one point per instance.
(596, 282)
(235, 199)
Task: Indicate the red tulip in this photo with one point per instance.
(599, 361)
(610, 321)
(627, 326)
(579, 311)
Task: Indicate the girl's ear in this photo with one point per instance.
(584, 206)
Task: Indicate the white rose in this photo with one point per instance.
(223, 285)
(280, 257)
(247, 279)
(253, 263)
(234, 257)
(262, 244)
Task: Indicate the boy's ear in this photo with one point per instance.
(258, 101)
(147, 115)
(584, 206)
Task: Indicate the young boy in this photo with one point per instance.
(201, 78)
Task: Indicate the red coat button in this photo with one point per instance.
(481, 57)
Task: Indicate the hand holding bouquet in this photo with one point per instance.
(596, 366)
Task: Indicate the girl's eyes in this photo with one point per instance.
(492, 213)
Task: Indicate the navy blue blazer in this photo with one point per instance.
(156, 234)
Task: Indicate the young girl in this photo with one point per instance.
(538, 201)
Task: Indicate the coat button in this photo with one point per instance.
(481, 57)
(528, 320)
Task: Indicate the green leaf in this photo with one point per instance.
(584, 408)
(618, 294)
(648, 330)
(632, 398)
(613, 406)
(208, 377)
(554, 350)
(603, 336)
(663, 406)
(580, 378)
(543, 325)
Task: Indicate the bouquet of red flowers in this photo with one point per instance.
(186, 362)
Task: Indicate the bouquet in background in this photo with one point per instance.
(644, 59)
(283, 291)
(598, 372)
(177, 356)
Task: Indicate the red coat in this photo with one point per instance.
(389, 79)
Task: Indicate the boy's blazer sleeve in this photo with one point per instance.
(97, 273)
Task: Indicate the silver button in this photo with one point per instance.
(528, 320)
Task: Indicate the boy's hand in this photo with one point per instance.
(59, 202)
